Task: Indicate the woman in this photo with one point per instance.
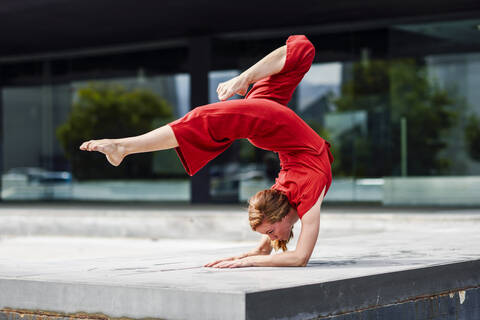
(262, 118)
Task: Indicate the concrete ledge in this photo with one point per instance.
(118, 301)
(360, 294)
(315, 301)
(375, 263)
(462, 304)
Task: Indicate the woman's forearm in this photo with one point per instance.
(264, 248)
(265, 245)
(271, 64)
(284, 259)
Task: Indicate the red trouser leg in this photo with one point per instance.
(207, 131)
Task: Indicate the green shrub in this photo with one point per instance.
(110, 111)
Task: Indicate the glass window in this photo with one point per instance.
(44, 126)
(397, 102)
(413, 112)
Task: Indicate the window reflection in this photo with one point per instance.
(44, 126)
(397, 117)
(404, 104)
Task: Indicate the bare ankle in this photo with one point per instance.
(121, 147)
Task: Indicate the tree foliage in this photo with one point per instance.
(389, 91)
(110, 111)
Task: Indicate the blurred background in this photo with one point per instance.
(394, 88)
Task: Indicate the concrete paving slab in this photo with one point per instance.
(361, 260)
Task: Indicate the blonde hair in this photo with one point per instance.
(273, 206)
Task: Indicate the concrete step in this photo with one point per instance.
(380, 265)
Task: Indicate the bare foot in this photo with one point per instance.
(113, 151)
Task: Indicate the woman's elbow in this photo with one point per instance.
(302, 261)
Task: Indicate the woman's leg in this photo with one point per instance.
(116, 149)
(199, 136)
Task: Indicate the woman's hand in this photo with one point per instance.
(255, 252)
(271, 64)
(212, 264)
(237, 85)
(264, 248)
(235, 263)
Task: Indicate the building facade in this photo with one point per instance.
(393, 88)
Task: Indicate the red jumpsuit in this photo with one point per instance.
(263, 118)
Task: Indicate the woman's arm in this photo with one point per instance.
(297, 258)
(263, 248)
(271, 64)
(305, 245)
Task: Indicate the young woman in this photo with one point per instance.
(263, 118)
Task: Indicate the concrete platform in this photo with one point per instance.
(362, 262)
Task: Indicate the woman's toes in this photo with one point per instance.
(87, 145)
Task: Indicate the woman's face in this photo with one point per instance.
(276, 231)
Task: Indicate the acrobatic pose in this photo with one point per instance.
(263, 118)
